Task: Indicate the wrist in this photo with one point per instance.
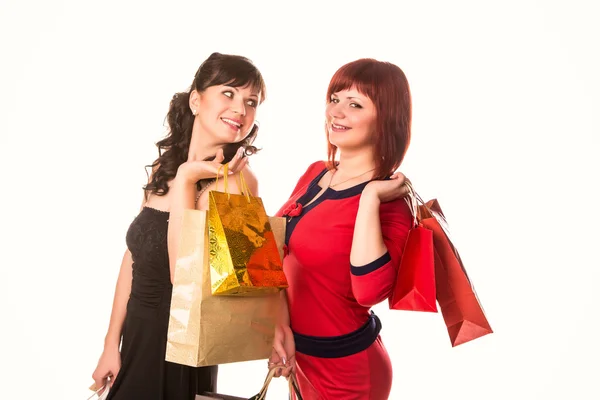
(369, 198)
(183, 175)
(111, 343)
(111, 347)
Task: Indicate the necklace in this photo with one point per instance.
(349, 179)
(203, 190)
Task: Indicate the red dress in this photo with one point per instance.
(339, 352)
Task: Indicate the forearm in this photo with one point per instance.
(367, 242)
(119, 309)
(284, 313)
(183, 194)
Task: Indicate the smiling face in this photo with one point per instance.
(225, 113)
(351, 117)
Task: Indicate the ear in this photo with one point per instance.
(194, 101)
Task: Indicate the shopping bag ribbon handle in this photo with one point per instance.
(413, 205)
(243, 186)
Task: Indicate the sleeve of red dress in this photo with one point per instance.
(372, 283)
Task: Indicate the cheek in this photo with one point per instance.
(251, 113)
(218, 105)
(250, 116)
(249, 120)
(208, 109)
(328, 110)
(367, 124)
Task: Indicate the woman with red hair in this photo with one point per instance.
(347, 226)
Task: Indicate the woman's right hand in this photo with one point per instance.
(108, 367)
(192, 171)
(284, 351)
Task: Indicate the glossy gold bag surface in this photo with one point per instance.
(206, 329)
(243, 256)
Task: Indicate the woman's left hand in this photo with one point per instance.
(387, 190)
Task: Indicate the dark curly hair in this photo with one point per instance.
(218, 69)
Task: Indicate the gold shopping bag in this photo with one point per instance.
(206, 329)
(243, 256)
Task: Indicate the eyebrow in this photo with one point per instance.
(238, 90)
(349, 97)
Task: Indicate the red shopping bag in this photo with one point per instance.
(414, 289)
(461, 309)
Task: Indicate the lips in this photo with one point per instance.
(339, 128)
(234, 124)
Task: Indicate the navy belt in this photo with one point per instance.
(340, 346)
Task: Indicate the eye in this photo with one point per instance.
(334, 100)
(228, 93)
(355, 105)
(252, 103)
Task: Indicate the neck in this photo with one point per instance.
(200, 147)
(355, 162)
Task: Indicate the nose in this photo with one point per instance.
(334, 110)
(239, 107)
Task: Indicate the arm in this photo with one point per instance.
(367, 243)
(110, 360)
(183, 193)
(284, 347)
(284, 313)
(380, 233)
(119, 308)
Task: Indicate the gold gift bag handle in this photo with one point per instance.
(243, 185)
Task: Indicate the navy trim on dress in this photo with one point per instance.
(340, 346)
(372, 266)
(311, 192)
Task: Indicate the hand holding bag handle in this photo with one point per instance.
(293, 384)
(102, 396)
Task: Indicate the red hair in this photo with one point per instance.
(387, 87)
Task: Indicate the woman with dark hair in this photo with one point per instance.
(211, 124)
(347, 226)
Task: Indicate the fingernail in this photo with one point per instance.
(284, 361)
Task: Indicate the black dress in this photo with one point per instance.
(144, 373)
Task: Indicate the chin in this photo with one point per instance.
(230, 137)
(338, 142)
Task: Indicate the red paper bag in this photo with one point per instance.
(462, 312)
(414, 289)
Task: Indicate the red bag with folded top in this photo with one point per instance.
(461, 309)
(415, 286)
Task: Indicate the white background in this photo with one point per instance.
(505, 135)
